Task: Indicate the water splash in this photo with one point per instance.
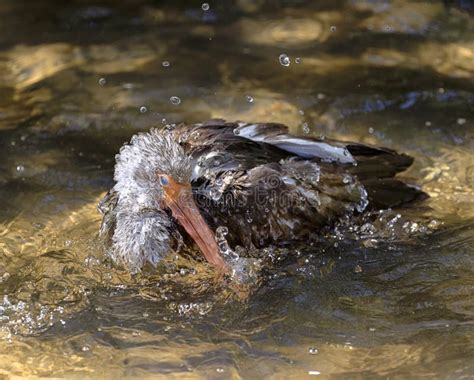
(244, 270)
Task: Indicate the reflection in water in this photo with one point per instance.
(386, 294)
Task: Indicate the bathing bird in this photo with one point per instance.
(265, 186)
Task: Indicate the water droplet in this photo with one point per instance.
(284, 60)
(305, 128)
(20, 168)
(205, 6)
(461, 121)
(313, 351)
(143, 109)
(371, 130)
(175, 100)
(249, 218)
(215, 194)
(102, 81)
(200, 162)
(249, 99)
(332, 28)
(85, 348)
(222, 230)
(298, 60)
(165, 63)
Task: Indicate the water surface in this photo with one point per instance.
(388, 295)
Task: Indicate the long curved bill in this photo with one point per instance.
(179, 199)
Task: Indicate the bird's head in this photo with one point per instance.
(153, 174)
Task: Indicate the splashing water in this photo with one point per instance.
(243, 269)
(373, 277)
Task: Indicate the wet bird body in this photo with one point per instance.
(266, 186)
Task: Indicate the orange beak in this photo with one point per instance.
(179, 198)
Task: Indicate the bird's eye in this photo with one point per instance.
(164, 181)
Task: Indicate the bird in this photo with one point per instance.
(262, 184)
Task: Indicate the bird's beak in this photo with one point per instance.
(179, 199)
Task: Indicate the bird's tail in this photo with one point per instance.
(385, 193)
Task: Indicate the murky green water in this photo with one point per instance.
(389, 295)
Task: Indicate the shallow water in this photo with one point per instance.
(387, 295)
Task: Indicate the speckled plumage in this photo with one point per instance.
(265, 185)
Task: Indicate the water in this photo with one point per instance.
(388, 295)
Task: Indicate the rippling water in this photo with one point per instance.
(387, 295)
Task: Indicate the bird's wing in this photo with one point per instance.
(373, 166)
(368, 161)
(215, 148)
(305, 147)
(255, 143)
(218, 146)
(263, 135)
(279, 202)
